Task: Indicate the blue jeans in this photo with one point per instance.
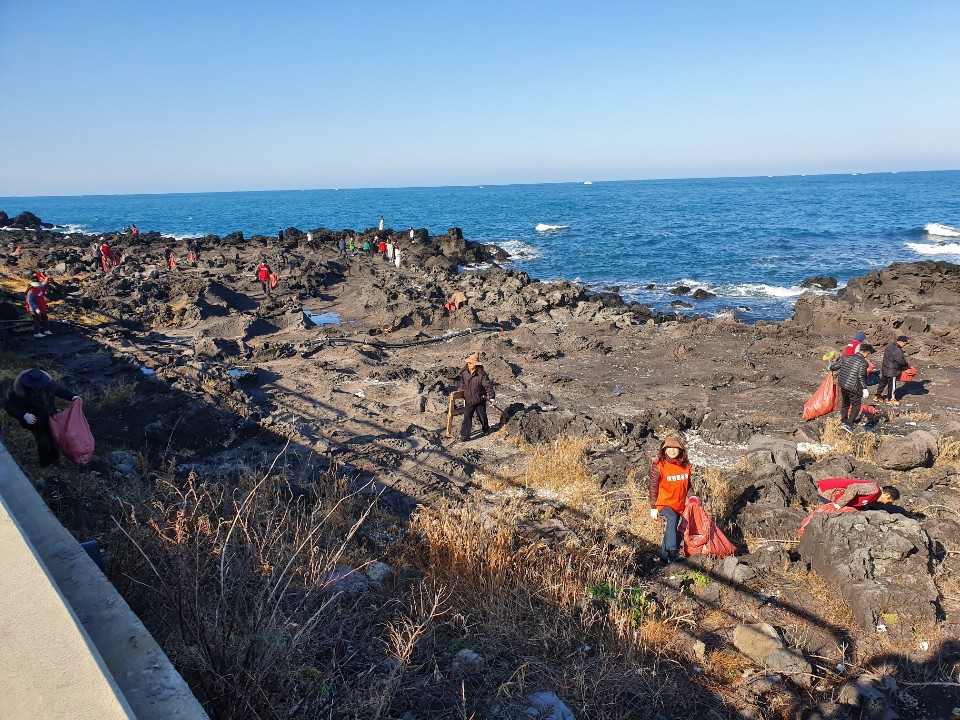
(670, 546)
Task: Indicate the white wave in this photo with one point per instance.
(543, 227)
(185, 236)
(68, 228)
(474, 267)
(942, 249)
(941, 230)
(755, 290)
(519, 250)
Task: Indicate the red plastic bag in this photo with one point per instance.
(870, 367)
(823, 401)
(274, 280)
(701, 536)
(826, 508)
(908, 375)
(72, 434)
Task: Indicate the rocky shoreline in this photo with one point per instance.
(229, 376)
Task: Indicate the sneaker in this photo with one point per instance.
(879, 399)
(893, 402)
(846, 428)
(47, 332)
(38, 335)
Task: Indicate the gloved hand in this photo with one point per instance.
(30, 419)
(836, 507)
(654, 514)
(866, 393)
(694, 499)
(75, 397)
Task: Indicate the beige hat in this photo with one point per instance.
(473, 359)
(673, 442)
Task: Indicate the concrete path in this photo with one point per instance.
(71, 647)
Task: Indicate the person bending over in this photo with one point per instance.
(32, 401)
(850, 492)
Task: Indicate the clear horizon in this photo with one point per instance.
(176, 97)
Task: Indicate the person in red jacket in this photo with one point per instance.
(669, 491)
(263, 275)
(853, 347)
(850, 492)
(106, 256)
(36, 303)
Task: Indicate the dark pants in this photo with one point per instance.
(47, 452)
(885, 383)
(265, 284)
(467, 426)
(40, 323)
(671, 545)
(850, 405)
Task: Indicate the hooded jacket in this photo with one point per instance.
(22, 400)
(476, 386)
(893, 360)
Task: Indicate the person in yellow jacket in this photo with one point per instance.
(669, 491)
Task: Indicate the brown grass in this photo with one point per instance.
(949, 453)
(725, 666)
(862, 445)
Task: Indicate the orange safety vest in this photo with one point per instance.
(674, 484)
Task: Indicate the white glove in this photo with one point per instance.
(75, 397)
(837, 507)
(866, 393)
(30, 419)
(654, 514)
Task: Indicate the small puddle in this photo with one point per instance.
(325, 318)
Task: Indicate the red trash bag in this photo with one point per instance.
(72, 434)
(701, 536)
(826, 508)
(274, 280)
(870, 367)
(908, 375)
(823, 401)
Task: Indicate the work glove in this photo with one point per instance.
(30, 419)
(866, 393)
(835, 506)
(75, 397)
(654, 514)
(694, 499)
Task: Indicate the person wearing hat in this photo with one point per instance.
(477, 389)
(31, 401)
(263, 275)
(852, 378)
(669, 491)
(853, 347)
(894, 362)
(36, 303)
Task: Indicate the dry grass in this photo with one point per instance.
(718, 497)
(949, 453)
(725, 666)
(561, 469)
(831, 606)
(862, 445)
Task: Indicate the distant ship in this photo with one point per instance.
(587, 182)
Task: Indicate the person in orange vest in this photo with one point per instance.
(670, 491)
(263, 275)
(36, 303)
(169, 258)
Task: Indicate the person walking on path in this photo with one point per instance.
(850, 492)
(169, 259)
(390, 251)
(36, 303)
(263, 275)
(670, 475)
(477, 389)
(894, 362)
(342, 245)
(32, 401)
(193, 247)
(366, 247)
(853, 347)
(396, 256)
(852, 378)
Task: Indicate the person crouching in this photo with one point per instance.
(669, 490)
(32, 401)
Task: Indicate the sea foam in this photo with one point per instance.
(519, 250)
(941, 249)
(544, 227)
(941, 230)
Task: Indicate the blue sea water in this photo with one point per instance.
(749, 240)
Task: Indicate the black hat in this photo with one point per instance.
(903, 338)
(34, 379)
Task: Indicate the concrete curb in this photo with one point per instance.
(71, 645)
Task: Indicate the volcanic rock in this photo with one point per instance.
(820, 282)
(701, 294)
(918, 449)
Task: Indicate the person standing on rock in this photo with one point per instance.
(106, 257)
(193, 247)
(36, 303)
(32, 401)
(850, 492)
(366, 247)
(894, 362)
(853, 347)
(342, 246)
(852, 378)
(280, 235)
(169, 259)
(380, 226)
(411, 233)
(95, 256)
(263, 275)
(390, 250)
(477, 389)
(396, 256)
(670, 476)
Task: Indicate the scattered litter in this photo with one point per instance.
(324, 318)
(881, 628)
(912, 423)
(360, 394)
(617, 391)
(237, 373)
(841, 667)
(148, 371)
(924, 645)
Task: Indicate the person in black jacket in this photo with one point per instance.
(32, 401)
(477, 389)
(894, 362)
(852, 379)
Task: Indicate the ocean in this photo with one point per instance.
(750, 241)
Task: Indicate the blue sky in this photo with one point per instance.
(182, 96)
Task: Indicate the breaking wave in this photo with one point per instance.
(754, 290)
(941, 230)
(543, 227)
(68, 228)
(519, 250)
(941, 249)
